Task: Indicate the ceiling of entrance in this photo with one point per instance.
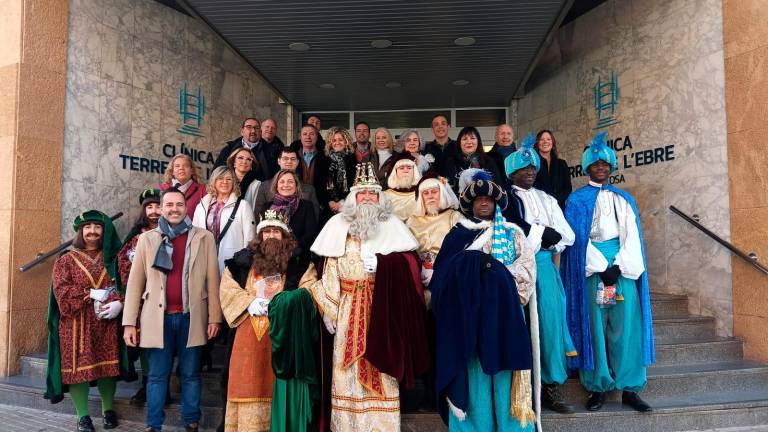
(426, 64)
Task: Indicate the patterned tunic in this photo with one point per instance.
(125, 258)
(249, 392)
(362, 398)
(89, 346)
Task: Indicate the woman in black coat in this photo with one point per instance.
(553, 177)
(337, 175)
(300, 213)
(470, 155)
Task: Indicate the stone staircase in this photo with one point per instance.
(700, 382)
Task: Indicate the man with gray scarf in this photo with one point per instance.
(175, 274)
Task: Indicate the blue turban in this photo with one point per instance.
(522, 158)
(599, 150)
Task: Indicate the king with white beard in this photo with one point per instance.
(362, 246)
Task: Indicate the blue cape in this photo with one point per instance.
(475, 301)
(578, 213)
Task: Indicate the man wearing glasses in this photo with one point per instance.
(250, 138)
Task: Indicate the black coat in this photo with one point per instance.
(453, 167)
(441, 154)
(303, 223)
(263, 167)
(496, 155)
(555, 180)
(325, 187)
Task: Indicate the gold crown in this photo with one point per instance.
(273, 219)
(273, 216)
(366, 176)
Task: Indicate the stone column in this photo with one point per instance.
(745, 38)
(33, 64)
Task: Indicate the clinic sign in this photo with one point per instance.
(605, 100)
(192, 113)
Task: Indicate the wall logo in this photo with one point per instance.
(192, 110)
(606, 99)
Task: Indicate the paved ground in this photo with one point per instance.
(20, 419)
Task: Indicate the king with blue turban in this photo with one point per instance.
(548, 234)
(483, 277)
(606, 283)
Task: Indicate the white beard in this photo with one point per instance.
(403, 183)
(364, 219)
(432, 209)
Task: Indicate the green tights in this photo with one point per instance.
(79, 394)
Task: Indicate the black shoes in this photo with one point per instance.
(552, 398)
(633, 400)
(110, 419)
(193, 427)
(596, 401)
(140, 398)
(85, 424)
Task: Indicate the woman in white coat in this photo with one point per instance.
(223, 213)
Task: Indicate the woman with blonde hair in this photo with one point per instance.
(182, 174)
(384, 146)
(225, 215)
(337, 177)
(243, 164)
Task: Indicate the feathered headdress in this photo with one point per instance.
(524, 157)
(598, 150)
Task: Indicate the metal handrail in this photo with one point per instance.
(44, 256)
(751, 260)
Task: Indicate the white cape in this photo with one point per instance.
(393, 236)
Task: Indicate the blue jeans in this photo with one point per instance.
(175, 333)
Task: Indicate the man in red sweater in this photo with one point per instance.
(176, 274)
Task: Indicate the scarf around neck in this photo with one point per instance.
(163, 260)
(337, 172)
(285, 205)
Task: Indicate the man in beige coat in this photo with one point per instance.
(174, 287)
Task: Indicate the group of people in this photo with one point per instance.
(340, 273)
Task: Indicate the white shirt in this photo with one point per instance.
(542, 210)
(613, 217)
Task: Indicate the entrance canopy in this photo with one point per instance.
(387, 54)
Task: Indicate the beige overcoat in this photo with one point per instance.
(147, 284)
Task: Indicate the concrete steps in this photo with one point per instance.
(700, 382)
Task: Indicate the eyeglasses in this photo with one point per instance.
(244, 159)
(251, 127)
(289, 159)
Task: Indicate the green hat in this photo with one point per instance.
(149, 195)
(110, 244)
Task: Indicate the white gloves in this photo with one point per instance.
(426, 276)
(258, 306)
(110, 310)
(369, 261)
(330, 325)
(99, 294)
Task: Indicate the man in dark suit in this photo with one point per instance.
(250, 138)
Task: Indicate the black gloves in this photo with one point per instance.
(611, 275)
(549, 238)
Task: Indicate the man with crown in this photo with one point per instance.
(83, 330)
(548, 234)
(606, 283)
(402, 182)
(484, 275)
(369, 290)
(271, 385)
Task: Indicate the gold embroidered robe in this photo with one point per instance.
(249, 391)
(431, 230)
(402, 203)
(362, 398)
